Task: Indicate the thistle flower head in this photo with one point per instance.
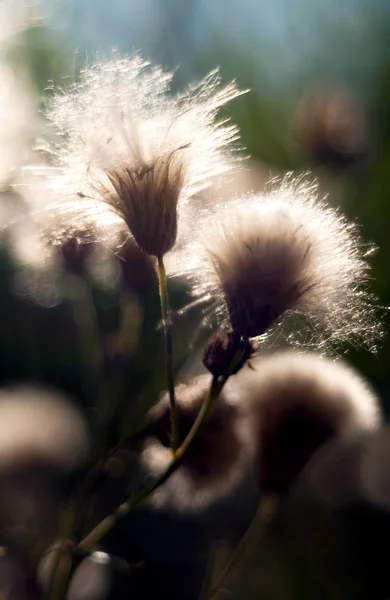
(283, 253)
(131, 150)
(215, 462)
(299, 402)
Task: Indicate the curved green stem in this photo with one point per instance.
(165, 312)
(105, 526)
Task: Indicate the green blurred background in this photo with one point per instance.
(319, 75)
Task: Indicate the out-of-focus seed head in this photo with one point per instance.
(223, 348)
(40, 427)
(299, 402)
(217, 458)
(331, 129)
(333, 474)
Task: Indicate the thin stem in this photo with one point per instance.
(60, 577)
(166, 317)
(105, 526)
(84, 315)
(251, 537)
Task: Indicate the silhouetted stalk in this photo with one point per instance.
(105, 526)
(166, 317)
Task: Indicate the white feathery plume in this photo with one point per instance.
(130, 154)
(299, 402)
(284, 253)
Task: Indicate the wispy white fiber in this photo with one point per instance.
(130, 154)
(284, 253)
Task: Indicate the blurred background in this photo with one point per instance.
(319, 75)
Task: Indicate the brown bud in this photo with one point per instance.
(222, 349)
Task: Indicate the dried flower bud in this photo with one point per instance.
(222, 350)
(131, 153)
(299, 402)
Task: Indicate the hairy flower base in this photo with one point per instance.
(147, 200)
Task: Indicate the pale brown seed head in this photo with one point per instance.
(147, 199)
(299, 402)
(215, 462)
(284, 258)
(130, 154)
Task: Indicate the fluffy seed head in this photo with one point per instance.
(215, 462)
(284, 253)
(297, 403)
(331, 129)
(333, 474)
(131, 150)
